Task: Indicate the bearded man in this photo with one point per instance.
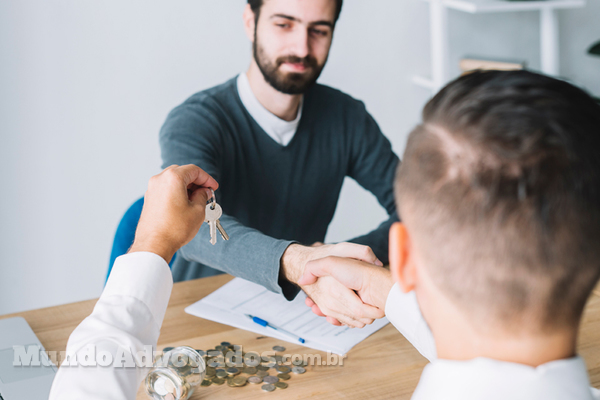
(281, 145)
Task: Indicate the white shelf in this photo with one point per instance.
(438, 11)
(424, 82)
(494, 6)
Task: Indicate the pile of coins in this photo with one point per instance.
(226, 363)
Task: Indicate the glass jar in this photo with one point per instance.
(175, 374)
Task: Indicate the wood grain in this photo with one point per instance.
(383, 366)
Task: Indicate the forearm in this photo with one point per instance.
(126, 320)
(249, 254)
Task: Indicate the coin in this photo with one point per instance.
(214, 353)
(281, 385)
(218, 381)
(214, 364)
(262, 373)
(222, 374)
(250, 370)
(262, 368)
(201, 352)
(237, 347)
(206, 382)
(283, 369)
(298, 370)
(270, 379)
(232, 371)
(226, 344)
(285, 377)
(167, 349)
(210, 372)
(268, 388)
(255, 380)
(239, 381)
(270, 362)
(279, 348)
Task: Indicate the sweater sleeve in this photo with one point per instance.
(194, 134)
(373, 165)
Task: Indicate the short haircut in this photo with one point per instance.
(500, 189)
(255, 5)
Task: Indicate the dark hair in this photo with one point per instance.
(500, 186)
(255, 5)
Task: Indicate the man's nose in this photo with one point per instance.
(300, 45)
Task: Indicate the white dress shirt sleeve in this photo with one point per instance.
(402, 310)
(125, 322)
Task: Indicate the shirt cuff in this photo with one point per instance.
(145, 276)
(402, 310)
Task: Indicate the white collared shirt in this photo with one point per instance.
(279, 130)
(128, 315)
(483, 378)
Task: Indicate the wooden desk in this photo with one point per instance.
(383, 366)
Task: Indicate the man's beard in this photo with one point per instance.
(288, 83)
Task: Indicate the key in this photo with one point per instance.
(212, 214)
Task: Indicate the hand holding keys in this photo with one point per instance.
(212, 214)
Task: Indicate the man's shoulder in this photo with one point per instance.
(206, 111)
(324, 93)
(221, 95)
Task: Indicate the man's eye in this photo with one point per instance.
(283, 25)
(319, 32)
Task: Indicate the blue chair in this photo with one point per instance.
(126, 233)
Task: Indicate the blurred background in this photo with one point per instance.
(86, 85)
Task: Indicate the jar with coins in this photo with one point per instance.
(175, 374)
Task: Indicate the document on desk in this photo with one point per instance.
(229, 304)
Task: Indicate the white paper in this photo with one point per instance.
(229, 304)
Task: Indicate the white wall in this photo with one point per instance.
(86, 85)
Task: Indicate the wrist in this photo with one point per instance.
(384, 283)
(293, 261)
(156, 246)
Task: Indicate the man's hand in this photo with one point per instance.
(173, 212)
(340, 304)
(372, 283)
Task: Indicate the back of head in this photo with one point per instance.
(500, 191)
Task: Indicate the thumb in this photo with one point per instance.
(200, 196)
(350, 273)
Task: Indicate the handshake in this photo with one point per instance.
(344, 282)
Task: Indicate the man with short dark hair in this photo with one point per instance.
(281, 145)
(499, 192)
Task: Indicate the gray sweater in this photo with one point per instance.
(273, 195)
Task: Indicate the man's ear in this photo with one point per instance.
(249, 22)
(402, 266)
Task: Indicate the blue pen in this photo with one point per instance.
(264, 323)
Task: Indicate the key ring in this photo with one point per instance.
(213, 200)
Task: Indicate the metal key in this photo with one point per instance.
(212, 214)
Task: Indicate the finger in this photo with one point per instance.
(333, 321)
(350, 273)
(200, 196)
(356, 251)
(352, 323)
(193, 174)
(315, 309)
(308, 301)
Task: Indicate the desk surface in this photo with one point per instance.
(383, 366)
